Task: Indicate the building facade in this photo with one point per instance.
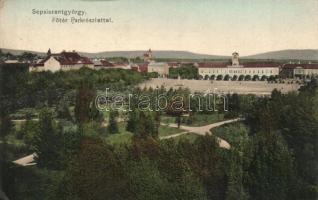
(161, 68)
(62, 61)
(235, 69)
(293, 70)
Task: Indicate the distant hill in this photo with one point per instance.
(133, 54)
(296, 54)
(290, 54)
(17, 52)
(157, 54)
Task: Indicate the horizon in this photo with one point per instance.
(160, 50)
(204, 27)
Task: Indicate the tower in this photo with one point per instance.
(235, 59)
(48, 52)
(148, 56)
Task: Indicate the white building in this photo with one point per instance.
(161, 68)
(293, 70)
(236, 69)
(62, 61)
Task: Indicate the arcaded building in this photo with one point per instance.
(236, 69)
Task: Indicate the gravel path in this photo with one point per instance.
(174, 135)
(203, 130)
(26, 161)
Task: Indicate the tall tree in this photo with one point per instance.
(95, 173)
(133, 121)
(271, 169)
(112, 123)
(47, 142)
(84, 98)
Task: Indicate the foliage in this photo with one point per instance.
(185, 72)
(83, 105)
(112, 123)
(47, 142)
(271, 169)
(52, 143)
(95, 173)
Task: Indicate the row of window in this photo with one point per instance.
(240, 71)
(306, 71)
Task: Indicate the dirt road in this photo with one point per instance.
(203, 130)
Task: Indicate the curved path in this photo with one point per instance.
(26, 161)
(203, 130)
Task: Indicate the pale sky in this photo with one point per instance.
(216, 27)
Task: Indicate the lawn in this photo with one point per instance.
(124, 137)
(166, 130)
(206, 119)
(189, 136)
(198, 119)
(233, 133)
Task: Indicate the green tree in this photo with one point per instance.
(146, 126)
(47, 142)
(30, 128)
(63, 111)
(84, 98)
(133, 120)
(112, 123)
(237, 159)
(95, 173)
(185, 72)
(94, 113)
(271, 168)
(204, 158)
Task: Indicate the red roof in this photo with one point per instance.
(143, 67)
(105, 63)
(134, 68)
(304, 66)
(260, 64)
(213, 65)
(174, 64)
(68, 58)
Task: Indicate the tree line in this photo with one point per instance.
(273, 153)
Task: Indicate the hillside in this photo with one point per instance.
(291, 54)
(295, 54)
(133, 54)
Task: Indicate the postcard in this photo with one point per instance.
(158, 99)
